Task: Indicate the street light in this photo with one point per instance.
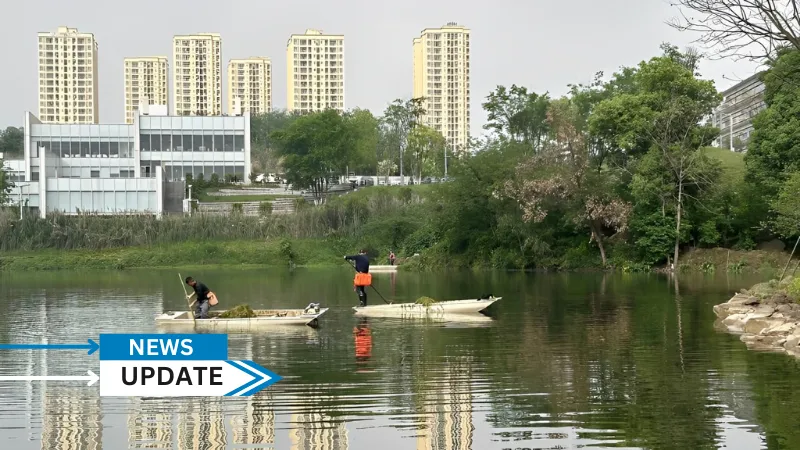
(20, 198)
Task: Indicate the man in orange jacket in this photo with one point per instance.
(363, 277)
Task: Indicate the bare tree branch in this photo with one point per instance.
(742, 29)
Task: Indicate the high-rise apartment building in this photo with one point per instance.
(441, 76)
(68, 77)
(250, 81)
(197, 74)
(315, 72)
(146, 82)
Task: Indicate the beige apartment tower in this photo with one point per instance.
(441, 75)
(315, 72)
(146, 82)
(250, 81)
(68, 77)
(197, 74)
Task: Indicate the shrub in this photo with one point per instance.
(265, 208)
(794, 289)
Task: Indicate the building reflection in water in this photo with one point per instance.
(202, 425)
(257, 424)
(71, 419)
(314, 430)
(150, 426)
(448, 411)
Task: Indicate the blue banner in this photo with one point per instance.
(163, 347)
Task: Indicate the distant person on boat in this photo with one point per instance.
(391, 258)
(363, 277)
(202, 292)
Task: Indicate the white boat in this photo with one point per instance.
(443, 308)
(382, 269)
(446, 320)
(265, 318)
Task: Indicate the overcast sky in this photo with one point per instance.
(543, 45)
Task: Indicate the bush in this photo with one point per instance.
(265, 208)
(794, 289)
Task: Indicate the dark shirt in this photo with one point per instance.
(201, 290)
(362, 262)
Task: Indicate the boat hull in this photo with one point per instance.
(440, 309)
(382, 269)
(183, 319)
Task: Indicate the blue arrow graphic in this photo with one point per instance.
(262, 378)
(92, 346)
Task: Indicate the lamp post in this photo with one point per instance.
(20, 199)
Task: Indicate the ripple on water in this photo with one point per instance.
(560, 366)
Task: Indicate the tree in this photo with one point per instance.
(659, 122)
(12, 141)
(5, 185)
(262, 151)
(314, 148)
(386, 167)
(401, 117)
(560, 177)
(787, 208)
(742, 28)
(426, 148)
(365, 125)
(774, 147)
(517, 115)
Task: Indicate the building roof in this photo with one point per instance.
(742, 83)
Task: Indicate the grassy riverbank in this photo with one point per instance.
(319, 253)
(276, 253)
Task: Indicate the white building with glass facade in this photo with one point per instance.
(127, 168)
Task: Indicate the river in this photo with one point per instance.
(569, 361)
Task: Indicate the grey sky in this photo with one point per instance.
(543, 45)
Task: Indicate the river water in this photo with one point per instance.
(568, 361)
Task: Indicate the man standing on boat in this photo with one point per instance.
(202, 292)
(363, 277)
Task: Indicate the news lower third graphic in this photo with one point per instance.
(161, 365)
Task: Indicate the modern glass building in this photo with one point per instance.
(128, 168)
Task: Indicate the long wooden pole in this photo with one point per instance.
(790, 259)
(191, 313)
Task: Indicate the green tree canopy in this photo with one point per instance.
(316, 147)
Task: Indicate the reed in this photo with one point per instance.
(342, 217)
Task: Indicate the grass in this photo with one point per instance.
(304, 252)
(710, 260)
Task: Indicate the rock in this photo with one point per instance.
(757, 325)
(763, 311)
(780, 329)
(766, 317)
(735, 322)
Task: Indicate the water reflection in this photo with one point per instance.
(315, 430)
(448, 411)
(567, 362)
(72, 420)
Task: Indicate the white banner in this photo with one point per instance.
(182, 378)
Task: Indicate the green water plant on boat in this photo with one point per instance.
(238, 312)
(426, 301)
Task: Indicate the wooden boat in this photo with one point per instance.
(446, 320)
(265, 318)
(443, 308)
